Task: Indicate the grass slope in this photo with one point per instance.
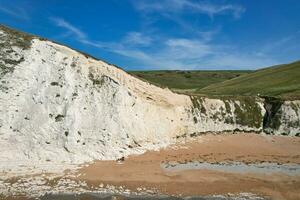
(282, 80)
(186, 81)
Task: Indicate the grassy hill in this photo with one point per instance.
(281, 80)
(186, 81)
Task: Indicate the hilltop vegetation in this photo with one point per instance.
(186, 81)
(280, 81)
(277, 81)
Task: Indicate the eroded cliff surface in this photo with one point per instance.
(60, 106)
(246, 114)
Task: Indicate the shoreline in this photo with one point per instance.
(145, 174)
(145, 170)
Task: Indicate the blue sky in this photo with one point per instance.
(167, 34)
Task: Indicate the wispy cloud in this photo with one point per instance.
(180, 6)
(172, 53)
(237, 60)
(137, 38)
(279, 43)
(15, 12)
(187, 48)
(183, 53)
(60, 22)
(280, 47)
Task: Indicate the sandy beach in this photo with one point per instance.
(146, 170)
(200, 167)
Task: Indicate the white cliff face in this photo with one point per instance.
(60, 107)
(284, 118)
(216, 115)
(290, 118)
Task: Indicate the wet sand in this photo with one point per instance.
(145, 171)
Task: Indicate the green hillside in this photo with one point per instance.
(282, 80)
(186, 81)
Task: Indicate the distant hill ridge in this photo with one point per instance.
(280, 80)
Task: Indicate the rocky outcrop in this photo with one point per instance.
(61, 106)
(246, 114)
(227, 114)
(282, 117)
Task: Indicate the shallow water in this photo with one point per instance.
(236, 167)
(91, 196)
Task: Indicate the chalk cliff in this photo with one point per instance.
(58, 105)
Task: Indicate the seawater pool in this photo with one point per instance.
(91, 196)
(235, 167)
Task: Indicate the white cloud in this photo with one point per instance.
(16, 12)
(172, 53)
(277, 44)
(238, 60)
(180, 6)
(69, 27)
(181, 48)
(137, 38)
